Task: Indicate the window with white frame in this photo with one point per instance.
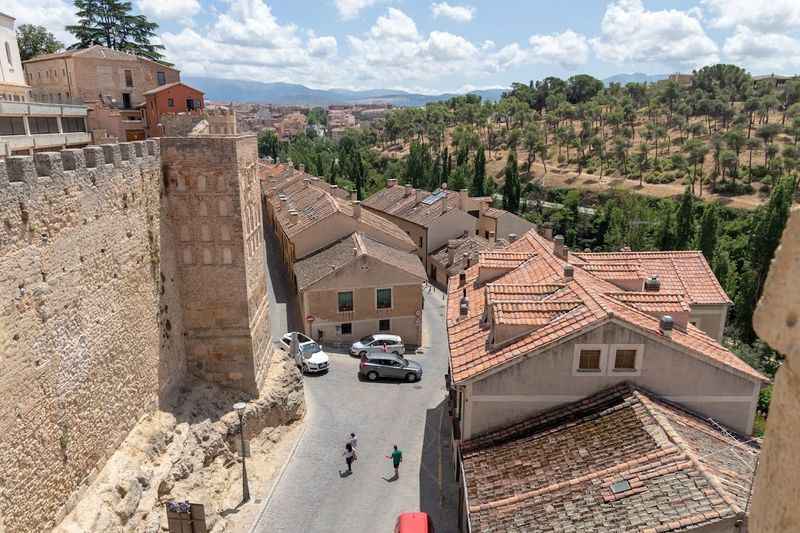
(589, 359)
(626, 358)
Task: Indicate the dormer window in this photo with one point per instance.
(589, 359)
(626, 359)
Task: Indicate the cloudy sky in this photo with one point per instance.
(458, 44)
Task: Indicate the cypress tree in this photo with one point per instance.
(709, 227)
(685, 221)
(512, 190)
(479, 175)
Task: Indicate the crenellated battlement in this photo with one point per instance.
(28, 170)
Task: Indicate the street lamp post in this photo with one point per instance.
(239, 408)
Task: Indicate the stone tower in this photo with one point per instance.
(215, 213)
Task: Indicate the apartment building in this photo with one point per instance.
(355, 272)
(501, 223)
(357, 287)
(111, 83)
(456, 256)
(430, 219)
(533, 326)
(27, 126)
(170, 99)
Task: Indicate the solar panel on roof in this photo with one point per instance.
(433, 198)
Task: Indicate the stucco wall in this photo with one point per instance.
(451, 225)
(547, 379)
(318, 236)
(89, 336)
(321, 302)
(417, 233)
(710, 318)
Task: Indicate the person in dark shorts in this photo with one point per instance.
(349, 456)
(397, 458)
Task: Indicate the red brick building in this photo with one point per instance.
(170, 98)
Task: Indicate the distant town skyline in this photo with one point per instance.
(458, 45)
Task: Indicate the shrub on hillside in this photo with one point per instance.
(733, 189)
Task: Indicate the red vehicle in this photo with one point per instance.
(414, 523)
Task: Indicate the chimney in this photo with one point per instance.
(547, 231)
(444, 201)
(463, 307)
(666, 324)
(357, 209)
(512, 237)
(491, 238)
(652, 284)
(452, 246)
(391, 182)
(463, 197)
(269, 160)
(465, 255)
(410, 190)
(569, 272)
(462, 279)
(306, 182)
(444, 186)
(291, 164)
(294, 216)
(559, 248)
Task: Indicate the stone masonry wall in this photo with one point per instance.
(90, 325)
(213, 195)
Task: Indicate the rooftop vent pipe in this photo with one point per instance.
(512, 237)
(569, 272)
(652, 284)
(463, 308)
(559, 248)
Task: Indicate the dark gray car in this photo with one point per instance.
(388, 365)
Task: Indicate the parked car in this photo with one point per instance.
(389, 365)
(378, 343)
(310, 357)
(414, 523)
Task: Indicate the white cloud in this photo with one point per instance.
(52, 14)
(765, 52)
(457, 13)
(349, 9)
(629, 33)
(251, 23)
(568, 49)
(322, 46)
(764, 15)
(445, 46)
(395, 24)
(170, 9)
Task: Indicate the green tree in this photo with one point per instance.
(478, 187)
(685, 222)
(512, 189)
(36, 40)
(110, 23)
(268, 144)
(709, 229)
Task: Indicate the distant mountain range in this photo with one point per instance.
(636, 77)
(223, 90)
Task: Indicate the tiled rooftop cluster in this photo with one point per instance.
(415, 205)
(621, 460)
(514, 285)
(301, 200)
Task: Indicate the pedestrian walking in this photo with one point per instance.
(397, 458)
(349, 456)
(353, 440)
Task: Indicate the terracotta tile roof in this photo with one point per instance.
(654, 302)
(466, 245)
(471, 354)
(680, 271)
(502, 258)
(325, 262)
(493, 212)
(314, 203)
(531, 313)
(620, 460)
(398, 202)
(496, 292)
(616, 270)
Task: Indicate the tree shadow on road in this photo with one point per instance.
(438, 489)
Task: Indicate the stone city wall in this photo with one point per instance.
(88, 338)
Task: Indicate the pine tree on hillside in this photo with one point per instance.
(512, 190)
(110, 23)
(479, 175)
(685, 222)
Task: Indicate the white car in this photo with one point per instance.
(378, 343)
(310, 357)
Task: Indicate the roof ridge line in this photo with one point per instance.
(575, 481)
(679, 442)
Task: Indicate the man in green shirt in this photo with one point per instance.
(397, 458)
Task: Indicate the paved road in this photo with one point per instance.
(313, 496)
